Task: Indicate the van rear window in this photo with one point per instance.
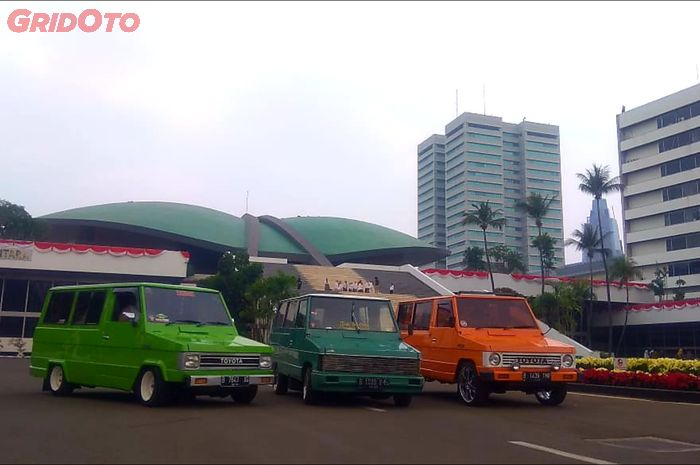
(494, 313)
(59, 308)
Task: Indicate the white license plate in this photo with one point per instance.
(235, 380)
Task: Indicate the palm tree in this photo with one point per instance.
(624, 269)
(537, 207)
(598, 182)
(485, 217)
(586, 239)
(474, 259)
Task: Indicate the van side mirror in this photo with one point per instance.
(410, 329)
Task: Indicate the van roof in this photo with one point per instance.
(467, 296)
(132, 284)
(339, 296)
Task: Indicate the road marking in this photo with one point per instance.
(630, 398)
(649, 444)
(561, 453)
(376, 409)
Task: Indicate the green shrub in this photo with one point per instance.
(646, 365)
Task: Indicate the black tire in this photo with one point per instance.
(244, 395)
(308, 395)
(150, 388)
(281, 385)
(402, 400)
(57, 383)
(553, 396)
(470, 388)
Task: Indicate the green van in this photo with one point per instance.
(155, 340)
(342, 343)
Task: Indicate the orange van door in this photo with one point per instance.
(443, 341)
(420, 339)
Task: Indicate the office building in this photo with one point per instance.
(659, 153)
(482, 158)
(611, 232)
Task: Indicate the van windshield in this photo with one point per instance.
(494, 313)
(175, 306)
(351, 314)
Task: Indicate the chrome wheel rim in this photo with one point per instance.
(544, 395)
(467, 390)
(148, 385)
(305, 388)
(56, 378)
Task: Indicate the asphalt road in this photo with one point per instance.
(101, 426)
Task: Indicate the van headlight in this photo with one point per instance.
(494, 359)
(266, 362)
(191, 361)
(567, 361)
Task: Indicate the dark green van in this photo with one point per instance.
(155, 340)
(342, 343)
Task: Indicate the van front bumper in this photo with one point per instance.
(359, 383)
(197, 381)
(511, 380)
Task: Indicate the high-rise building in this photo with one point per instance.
(483, 158)
(659, 152)
(611, 233)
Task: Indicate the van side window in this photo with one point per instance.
(405, 315)
(445, 316)
(421, 316)
(281, 313)
(126, 305)
(291, 314)
(59, 308)
(300, 320)
(88, 308)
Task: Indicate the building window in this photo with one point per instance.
(681, 190)
(679, 140)
(687, 215)
(684, 268)
(484, 126)
(543, 135)
(14, 296)
(682, 164)
(686, 241)
(678, 115)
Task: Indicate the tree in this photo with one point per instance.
(598, 182)
(537, 207)
(624, 269)
(262, 297)
(678, 293)
(587, 240)
(234, 278)
(507, 260)
(561, 307)
(545, 244)
(16, 223)
(485, 217)
(474, 259)
(658, 284)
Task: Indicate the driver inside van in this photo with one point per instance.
(127, 306)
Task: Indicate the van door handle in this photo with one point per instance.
(105, 336)
(434, 339)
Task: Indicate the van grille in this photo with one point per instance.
(372, 365)
(231, 361)
(533, 360)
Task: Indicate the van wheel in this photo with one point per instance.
(553, 396)
(150, 388)
(308, 395)
(57, 383)
(469, 387)
(281, 385)
(402, 400)
(244, 395)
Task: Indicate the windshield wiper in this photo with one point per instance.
(521, 327)
(192, 322)
(213, 323)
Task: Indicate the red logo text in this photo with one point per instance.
(22, 20)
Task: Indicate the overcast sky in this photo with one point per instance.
(316, 108)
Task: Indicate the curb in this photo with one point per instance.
(663, 395)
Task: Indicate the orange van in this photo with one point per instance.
(486, 344)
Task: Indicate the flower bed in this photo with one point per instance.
(673, 381)
(646, 365)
